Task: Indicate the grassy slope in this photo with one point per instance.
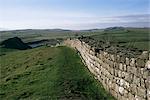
(134, 37)
(47, 73)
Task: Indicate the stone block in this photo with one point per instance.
(125, 67)
(122, 59)
(129, 77)
(113, 85)
(140, 71)
(140, 63)
(119, 97)
(142, 83)
(129, 69)
(121, 66)
(121, 90)
(114, 93)
(132, 62)
(138, 98)
(119, 73)
(112, 57)
(141, 92)
(134, 70)
(116, 65)
(147, 65)
(123, 75)
(124, 98)
(112, 71)
(136, 80)
(133, 88)
(118, 58)
(148, 94)
(116, 72)
(116, 88)
(127, 61)
(147, 82)
(131, 96)
(125, 93)
(121, 82)
(146, 74)
(126, 85)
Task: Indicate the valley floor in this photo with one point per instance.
(47, 73)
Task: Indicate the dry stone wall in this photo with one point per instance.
(125, 78)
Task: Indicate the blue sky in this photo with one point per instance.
(73, 14)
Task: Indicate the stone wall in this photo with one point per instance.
(125, 78)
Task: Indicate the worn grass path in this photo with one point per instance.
(47, 73)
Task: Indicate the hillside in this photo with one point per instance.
(48, 73)
(132, 38)
(14, 43)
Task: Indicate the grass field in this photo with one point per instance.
(47, 73)
(130, 37)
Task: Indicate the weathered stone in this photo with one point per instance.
(133, 88)
(129, 69)
(121, 90)
(141, 92)
(138, 98)
(129, 77)
(126, 93)
(147, 82)
(121, 82)
(124, 67)
(144, 55)
(148, 94)
(116, 72)
(136, 80)
(123, 75)
(112, 57)
(140, 63)
(119, 73)
(142, 71)
(116, 88)
(127, 61)
(121, 66)
(131, 96)
(122, 59)
(114, 93)
(148, 65)
(119, 97)
(118, 58)
(124, 98)
(112, 71)
(126, 86)
(134, 70)
(132, 62)
(116, 65)
(146, 74)
(142, 82)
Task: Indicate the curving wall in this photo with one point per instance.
(125, 78)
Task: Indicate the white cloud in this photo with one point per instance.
(28, 18)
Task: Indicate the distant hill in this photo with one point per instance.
(15, 43)
(115, 29)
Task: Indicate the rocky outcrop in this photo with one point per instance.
(125, 78)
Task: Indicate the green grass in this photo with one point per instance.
(47, 73)
(131, 37)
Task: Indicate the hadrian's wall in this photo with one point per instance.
(125, 78)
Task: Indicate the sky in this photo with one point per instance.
(73, 14)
